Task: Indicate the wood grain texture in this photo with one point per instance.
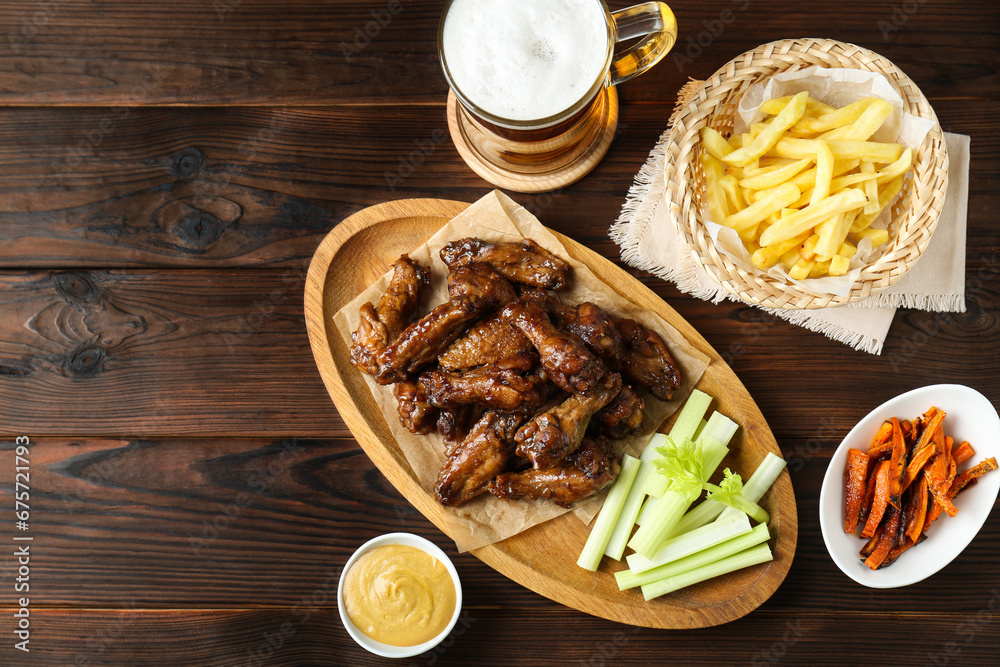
(312, 635)
(236, 523)
(305, 53)
(184, 156)
(241, 187)
(156, 353)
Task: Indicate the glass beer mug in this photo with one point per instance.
(532, 105)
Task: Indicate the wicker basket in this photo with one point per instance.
(913, 216)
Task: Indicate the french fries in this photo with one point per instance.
(804, 186)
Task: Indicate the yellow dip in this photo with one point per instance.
(399, 595)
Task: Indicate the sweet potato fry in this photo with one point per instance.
(917, 462)
(882, 442)
(908, 476)
(918, 512)
(978, 470)
(855, 476)
(887, 539)
(880, 501)
(897, 464)
(931, 420)
(963, 453)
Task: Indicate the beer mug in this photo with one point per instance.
(532, 105)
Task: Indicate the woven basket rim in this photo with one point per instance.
(915, 213)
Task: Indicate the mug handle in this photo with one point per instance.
(657, 23)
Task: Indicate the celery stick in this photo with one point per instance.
(690, 417)
(597, 541)
(692, 542)
(636, 494)
(752, 556)
(646, 511)
(719, 428)
(655, 485)
(753, 490)
(667, 511)
(763, 477)
(704, 457)
(701, 427)
(629, 579)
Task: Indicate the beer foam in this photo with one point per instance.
(525, 60)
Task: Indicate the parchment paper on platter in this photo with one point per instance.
(497, 218)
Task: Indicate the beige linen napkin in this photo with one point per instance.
(649, 240)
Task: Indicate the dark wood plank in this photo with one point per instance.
(192, 352)
(72, 52)
(311, 634)
(147, 354)
(231, 523)
(261, 187)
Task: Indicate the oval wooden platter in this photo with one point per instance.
(362, 248)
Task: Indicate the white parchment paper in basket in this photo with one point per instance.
(836, 87)
(496, 218)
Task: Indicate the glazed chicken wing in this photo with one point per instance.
(554, 434)
(380, 326)
(622, 416)
(483, 281)
(507, 385)
(525, 262)
(580, 475)
(487, 341)
(588, 321)
(568, 362)
(478, 459)
(646, 361)
(421, 342)
(415, 410)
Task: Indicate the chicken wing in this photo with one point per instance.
(380, 326)
(622, 416)
(588, 321)
(477, 459)
(415, 410)
(646, 361)
(483, 281)
(565, 358)
(525, 262)
(580, 475)
(554, 434)
(421, 342)
(486, 342)
(508, 385)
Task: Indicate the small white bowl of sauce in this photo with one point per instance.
(399, 595)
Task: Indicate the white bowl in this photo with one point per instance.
(388, 650)
(970, 416)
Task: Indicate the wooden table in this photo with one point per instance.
(168, 170)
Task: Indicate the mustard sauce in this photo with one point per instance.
(399, 595)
